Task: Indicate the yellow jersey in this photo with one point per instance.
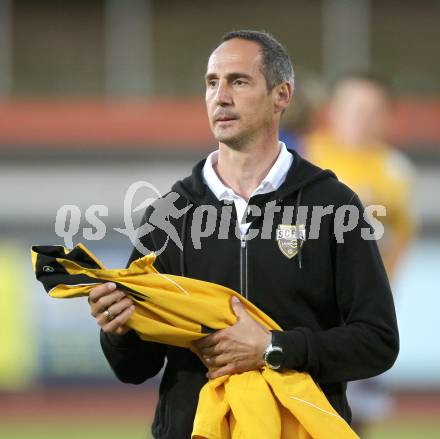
(176, 310)
(380, 175)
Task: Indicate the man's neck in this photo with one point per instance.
(244, 170)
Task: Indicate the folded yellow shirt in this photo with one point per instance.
(176, 310)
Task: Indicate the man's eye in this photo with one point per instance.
(212, 83)
(239, 82)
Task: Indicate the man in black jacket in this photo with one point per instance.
(265, 222)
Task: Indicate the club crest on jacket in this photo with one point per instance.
(288, 237)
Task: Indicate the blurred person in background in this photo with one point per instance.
(296, 122)
(353, 145)
(300, 119)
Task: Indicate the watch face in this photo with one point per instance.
(275, 357)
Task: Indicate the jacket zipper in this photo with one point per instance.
(243, 267)
(244, 259)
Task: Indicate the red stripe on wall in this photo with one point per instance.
(172, 123)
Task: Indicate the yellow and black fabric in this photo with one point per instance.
(176, 310)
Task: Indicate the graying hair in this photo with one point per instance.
(276, 64)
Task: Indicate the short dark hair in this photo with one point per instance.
(276, 63)
(382, 83)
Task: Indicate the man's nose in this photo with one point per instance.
(223, 94)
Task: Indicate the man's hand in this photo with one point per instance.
(238, 348)
(111, 308)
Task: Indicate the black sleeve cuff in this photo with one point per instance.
(294, 347)
(120, 341)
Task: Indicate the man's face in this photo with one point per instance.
(238, 103)
(360, 113)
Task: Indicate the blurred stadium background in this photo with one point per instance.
(98, 94)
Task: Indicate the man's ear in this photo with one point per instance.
(282, 96)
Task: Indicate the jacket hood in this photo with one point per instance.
(302, 173)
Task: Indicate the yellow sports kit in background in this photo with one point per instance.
(380, 175)
(176, 310)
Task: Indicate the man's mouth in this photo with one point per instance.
(225, 119)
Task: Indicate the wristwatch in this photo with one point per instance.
(273, 356)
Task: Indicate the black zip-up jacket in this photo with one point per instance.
(332, 299)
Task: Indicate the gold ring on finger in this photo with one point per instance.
(108, 315)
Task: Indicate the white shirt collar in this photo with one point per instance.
(273, 180)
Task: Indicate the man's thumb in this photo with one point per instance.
(238, 307)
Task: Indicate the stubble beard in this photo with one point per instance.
(237, 142)
(242, 141)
